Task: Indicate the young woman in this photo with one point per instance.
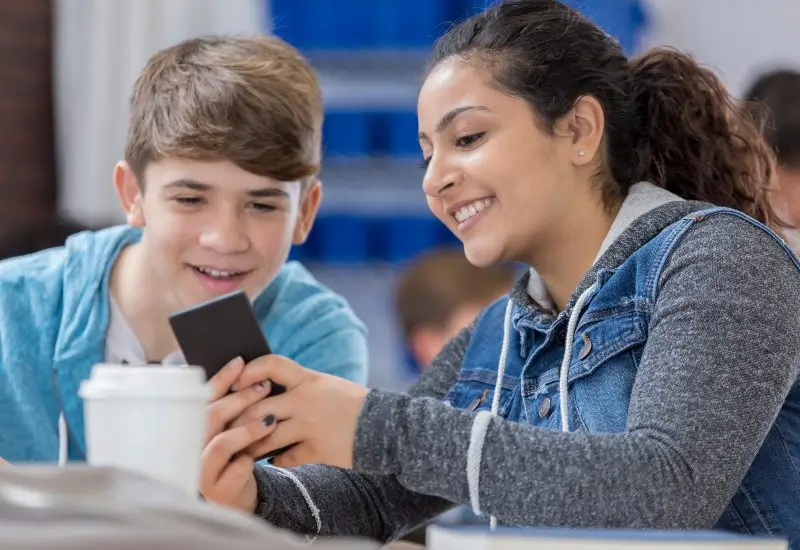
(643, 374)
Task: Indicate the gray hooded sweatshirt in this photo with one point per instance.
(411, 450)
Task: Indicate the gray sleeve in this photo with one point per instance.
(349, 503)
(722, 355)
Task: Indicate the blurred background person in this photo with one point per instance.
(441, 293)
(778, 92)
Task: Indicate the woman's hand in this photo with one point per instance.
(316, 417)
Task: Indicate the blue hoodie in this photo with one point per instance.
(54, 314)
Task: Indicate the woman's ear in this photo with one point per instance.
(585, 125)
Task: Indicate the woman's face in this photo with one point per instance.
(493, 176)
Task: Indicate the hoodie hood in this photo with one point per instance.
(90, 257)
(645, 212)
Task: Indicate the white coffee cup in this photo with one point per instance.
(149, 420)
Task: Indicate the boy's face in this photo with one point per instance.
(211, 227)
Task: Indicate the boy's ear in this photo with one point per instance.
(129, 194)
(309, 204)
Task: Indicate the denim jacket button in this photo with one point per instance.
(587, 347)
(478, 402)
(544, 407)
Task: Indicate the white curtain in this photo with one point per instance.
(100, 47)
(738, 39)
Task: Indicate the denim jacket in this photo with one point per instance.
(603, 352)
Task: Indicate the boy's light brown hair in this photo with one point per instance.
(252, 101)
(440, 282)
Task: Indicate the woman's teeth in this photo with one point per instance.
(466, 212)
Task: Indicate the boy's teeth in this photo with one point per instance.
(466, 212)
(217, 274)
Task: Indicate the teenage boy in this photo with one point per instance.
(218, 181)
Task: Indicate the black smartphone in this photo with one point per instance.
(214, 332)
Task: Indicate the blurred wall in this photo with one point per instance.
(101, 45)
(27, 169)
(736, 38)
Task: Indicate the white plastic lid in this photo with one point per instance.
(109, 381)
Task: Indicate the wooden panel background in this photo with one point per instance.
(27, 153)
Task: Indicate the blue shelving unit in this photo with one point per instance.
(359, 25)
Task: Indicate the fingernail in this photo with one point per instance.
(269, 420)
(262, 387)
(235, 364)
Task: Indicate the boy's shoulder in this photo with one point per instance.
(42, 277)
(35, 274)
(310, 323)
(84, 249)
(31, 297)
(298, 294)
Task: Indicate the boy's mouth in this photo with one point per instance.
(218, 273)
(219, 281)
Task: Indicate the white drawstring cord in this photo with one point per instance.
(306, 496)
(481, 423)
(63, 440)
(563, 374)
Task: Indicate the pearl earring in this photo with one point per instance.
(581, 152)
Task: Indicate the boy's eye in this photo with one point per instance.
(262, 207)
(188, 200)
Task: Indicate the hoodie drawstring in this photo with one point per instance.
(480, 425)
(63, 440)
(306, 496)
(563, 373)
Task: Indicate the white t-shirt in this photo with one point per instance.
(122, 345)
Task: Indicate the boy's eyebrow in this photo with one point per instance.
(188, 183)
(194, 185)
(266, 192)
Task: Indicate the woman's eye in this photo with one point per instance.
(468, 140)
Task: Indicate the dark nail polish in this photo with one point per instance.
(269, 420)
